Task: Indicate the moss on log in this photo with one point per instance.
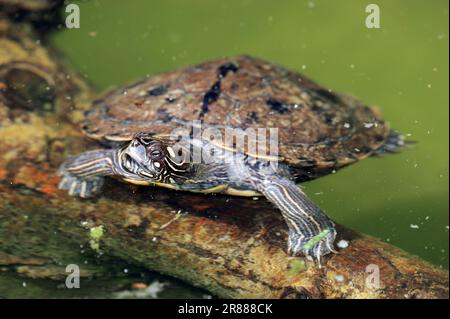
(233, 247)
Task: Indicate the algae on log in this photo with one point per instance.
(233, 247)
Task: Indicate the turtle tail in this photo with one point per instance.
(395, 143)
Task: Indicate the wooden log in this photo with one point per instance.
(233, 247)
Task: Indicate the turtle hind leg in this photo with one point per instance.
(83, 175)
(311, 232)
(395, 143)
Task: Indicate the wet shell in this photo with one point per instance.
(317, 128)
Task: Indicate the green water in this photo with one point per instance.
(401, 67)
(115, 285)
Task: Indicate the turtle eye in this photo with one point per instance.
(155, 152)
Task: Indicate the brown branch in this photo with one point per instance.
(233, 247)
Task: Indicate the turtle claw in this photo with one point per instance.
(80, 187)
(316, 246)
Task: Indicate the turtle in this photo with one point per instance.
(318, 132)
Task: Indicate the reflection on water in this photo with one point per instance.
(130, 283)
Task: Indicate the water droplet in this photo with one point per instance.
(311, 4)
(342, 244)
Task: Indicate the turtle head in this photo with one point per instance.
(145, 156)
(150, 159)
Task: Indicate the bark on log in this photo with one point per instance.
(233, 247)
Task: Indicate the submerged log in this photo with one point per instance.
(233, 247)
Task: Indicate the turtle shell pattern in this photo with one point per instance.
(317, 128)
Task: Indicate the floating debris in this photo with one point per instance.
(311, 5)
(179, 213)
(342, 244)
(339, 278)
(316, 239)
(139, 285)
(151, 291)
(414, 226)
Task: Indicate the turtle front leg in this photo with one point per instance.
(310, 230)
(83, 175)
